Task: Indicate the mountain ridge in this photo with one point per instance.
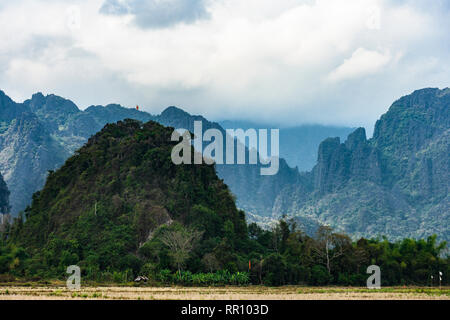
(298, 144)
(39, 134)
(72, 128)
(393, 184)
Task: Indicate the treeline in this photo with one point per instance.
(182, 254)
(292, 257)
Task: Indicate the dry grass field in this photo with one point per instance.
(11, 292)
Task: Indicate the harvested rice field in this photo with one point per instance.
(221, 293)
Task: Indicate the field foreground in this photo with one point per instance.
(222, 293)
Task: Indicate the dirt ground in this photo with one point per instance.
(222, 293)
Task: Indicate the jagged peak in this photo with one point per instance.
(328, 146)
(114, 106)
(172, 114)
(173, 111)
(51, 102)
(37, 95)
(444, 92)
(110, 106)
(4, 96)
(356, 138)
(428, 102)
(331, 142)
(37, 100)
(426, 90)
(421, 97)
(10, 110)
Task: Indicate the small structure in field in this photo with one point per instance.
(141, 279)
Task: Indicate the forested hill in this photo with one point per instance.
(106, 201)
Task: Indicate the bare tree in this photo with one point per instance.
(329, 246)
(180, 242)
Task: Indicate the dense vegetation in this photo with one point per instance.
(283, 255)
(120, 208)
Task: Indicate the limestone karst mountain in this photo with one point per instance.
(4, 197)
(394, 184)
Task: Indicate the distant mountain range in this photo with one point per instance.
(41, 133)
(299, 144)
(38, 135)
(394, 184)
(255, 194)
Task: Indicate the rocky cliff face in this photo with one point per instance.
(9, 110)
(395, 184)
(40, 134)
(339, 162)
(4, 197)
(27, 152)
(413, 137)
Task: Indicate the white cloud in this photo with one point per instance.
(290, 61)
(362, 62)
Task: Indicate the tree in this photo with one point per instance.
(329, 246)
(274, 269)
(180, 241)
(210, 262)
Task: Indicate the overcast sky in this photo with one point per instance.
(287, 61)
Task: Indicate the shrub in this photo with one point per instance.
(320, 276)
